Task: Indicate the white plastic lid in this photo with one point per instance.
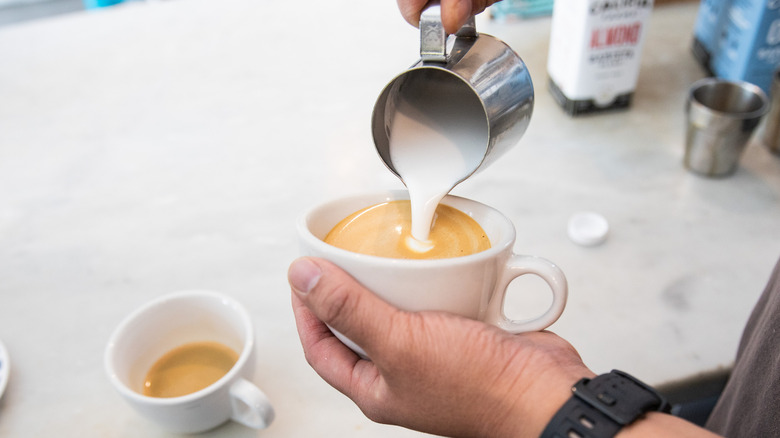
(588, 228)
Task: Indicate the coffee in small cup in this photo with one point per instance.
(384, 230)
(195, 350)
(189, 368)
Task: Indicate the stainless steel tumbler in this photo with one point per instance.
(721, 117)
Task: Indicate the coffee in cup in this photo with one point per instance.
(189, 368)
(155, 346)
(384, 230)
(473, 286)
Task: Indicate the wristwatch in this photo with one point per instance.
(601, 406)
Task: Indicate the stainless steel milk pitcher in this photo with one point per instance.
(477, 64)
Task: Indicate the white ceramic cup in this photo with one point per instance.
(176, 319)
(473, 286)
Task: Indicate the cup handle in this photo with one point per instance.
(516, 266)
(250, 405)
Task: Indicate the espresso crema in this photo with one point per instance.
(189, 368)
(384, 230)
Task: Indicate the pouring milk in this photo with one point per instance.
(438, 138)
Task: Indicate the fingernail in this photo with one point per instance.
(304, 275)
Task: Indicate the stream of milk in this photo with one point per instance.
(438, 137)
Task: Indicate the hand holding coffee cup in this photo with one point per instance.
(184, 361)
(473, 285)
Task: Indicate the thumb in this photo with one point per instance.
(339, 301)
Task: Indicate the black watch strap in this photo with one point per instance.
(601, 406)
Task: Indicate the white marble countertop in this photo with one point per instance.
(161, 146)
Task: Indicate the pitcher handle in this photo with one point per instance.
(433, 38)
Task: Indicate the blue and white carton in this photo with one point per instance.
(747, 42)
(707, 32)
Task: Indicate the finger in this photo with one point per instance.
(338, 300)
(331, 359)
(411, 10)
(338, 365)
(315, 335)
(454, 14)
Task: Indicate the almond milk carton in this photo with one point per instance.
(595, 49)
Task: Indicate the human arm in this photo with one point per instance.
(436, 372)
(454, 13)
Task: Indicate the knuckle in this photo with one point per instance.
(378, 416)
(379, 408)
(340, 302)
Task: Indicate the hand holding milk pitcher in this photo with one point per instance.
(465, 102)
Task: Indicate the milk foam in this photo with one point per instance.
(419, 246)
(438, 137)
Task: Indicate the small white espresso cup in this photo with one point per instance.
(171, 321)
(473, 286)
